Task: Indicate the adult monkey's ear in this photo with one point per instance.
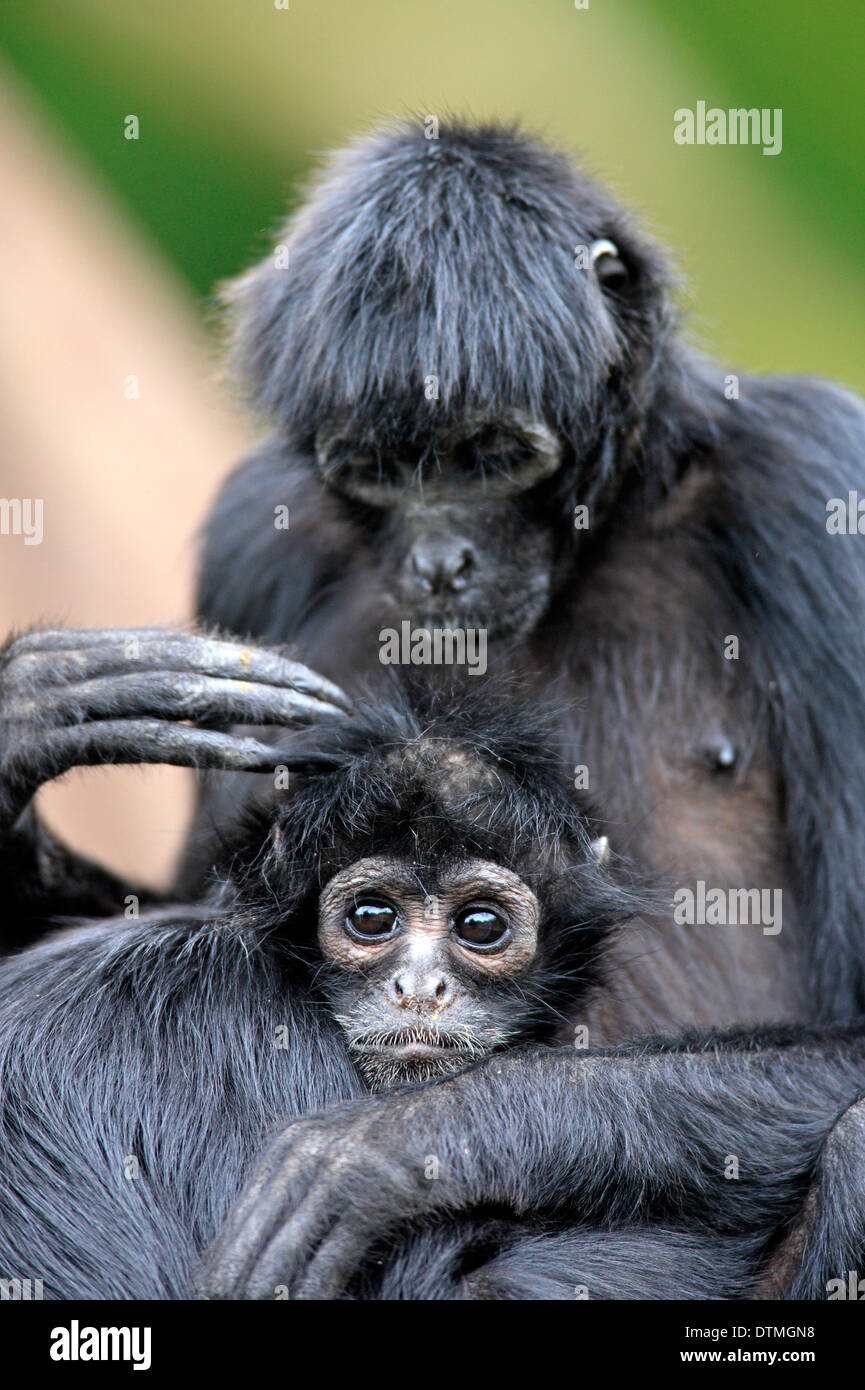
(607, 263)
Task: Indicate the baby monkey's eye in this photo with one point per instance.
(372, 918)
(480, 927)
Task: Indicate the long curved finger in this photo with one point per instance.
(285, 1257)
(165, 694)
(125, 741)
(58, 657)
(337, 1258)
(283, 1178)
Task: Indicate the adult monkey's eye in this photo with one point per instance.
(372, 919)
(608, 264)
(480, 927)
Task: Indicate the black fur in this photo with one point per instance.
(456, 256)
(395, 232)
(708, 518)
(152, 1043)
(140, 1077)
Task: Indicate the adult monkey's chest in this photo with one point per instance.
(665, 725)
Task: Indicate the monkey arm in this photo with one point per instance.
(76, 698)
(42, 881)
(826, 1242)
(650, 1132)
(128, 1112)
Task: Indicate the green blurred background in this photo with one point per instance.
(235, 99)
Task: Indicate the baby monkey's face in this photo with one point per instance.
(424, 963)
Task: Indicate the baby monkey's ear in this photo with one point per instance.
(600, 849)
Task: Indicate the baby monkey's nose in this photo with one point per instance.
(420, 989)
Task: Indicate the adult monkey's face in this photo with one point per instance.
(463, 535)
(467, 338)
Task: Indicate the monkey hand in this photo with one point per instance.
(329, 1187)
(77, 698)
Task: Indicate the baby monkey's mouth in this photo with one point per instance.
(396, 1056)
(418, 1041)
